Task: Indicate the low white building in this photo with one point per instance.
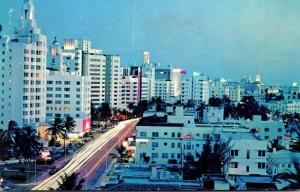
(281, 162)
(177, 137)
(267, 130)
(213, 114)
(292, 107)
(248, 156)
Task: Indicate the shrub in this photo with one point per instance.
(22, 169)
(172, 161)
(18, 177)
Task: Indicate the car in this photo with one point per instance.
(11, 161)
(53, 170)
(1, 163)
(6, 188)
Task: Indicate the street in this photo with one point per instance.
(92, 156)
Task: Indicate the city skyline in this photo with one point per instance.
(206, 37)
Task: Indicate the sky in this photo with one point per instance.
(219, 38)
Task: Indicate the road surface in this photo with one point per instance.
(92, 156)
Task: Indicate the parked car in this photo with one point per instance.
(11, 161)
(53, 170)
(58, 150)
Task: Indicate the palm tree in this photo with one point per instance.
(130, 106)
(292, 177)
(3, 145)
(295, 146)
(69, 183)
(28, 144)
(121, 153)
(10, 136)
(56, 129)
(69, 125)
(275, 144)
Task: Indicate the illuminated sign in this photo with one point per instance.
(87, 122)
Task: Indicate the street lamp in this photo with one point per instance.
(1, 181)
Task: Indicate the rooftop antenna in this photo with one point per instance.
(133, 32)
(10, 14)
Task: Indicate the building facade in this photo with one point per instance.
(23, 65)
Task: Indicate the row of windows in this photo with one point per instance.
(60, 115)
(261, 165)
(60, 89)
(60, 82)
(173, 134)
(37, 67)
(49, 102)
(235, 153)
(59, 96)
(268, 129)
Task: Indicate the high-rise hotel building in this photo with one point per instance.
(22, 72)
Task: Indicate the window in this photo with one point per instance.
(143, 144)
(267, 137)
(234, 152)
(261, 153)
(248, 154)
(165, 133)
(217, 136)
(178, 134)
(155, 134)
(261, 165)
(279, 129)
(178, 145)
(154, 155)
(143, 134)
(154, 144)
(188, 146)
(164, 155)
(173, 145)
(173, 134)
(233, 164)
(267, 129)
(205, 136)
(247, 168)
(165, 144)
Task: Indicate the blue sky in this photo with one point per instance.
(225, 38)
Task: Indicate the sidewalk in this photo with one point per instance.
(110, 165)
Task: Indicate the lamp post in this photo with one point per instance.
(1, 181)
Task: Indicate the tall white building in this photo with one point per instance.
(94, 66)
(195, 88)
(78, 56)
(218, 88)
(22, 74)
(113, 76)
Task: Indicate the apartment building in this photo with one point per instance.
(282, 162)
(69, 94)
(248, 156)
(22, 74)
(177, 136)
(267, 130)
